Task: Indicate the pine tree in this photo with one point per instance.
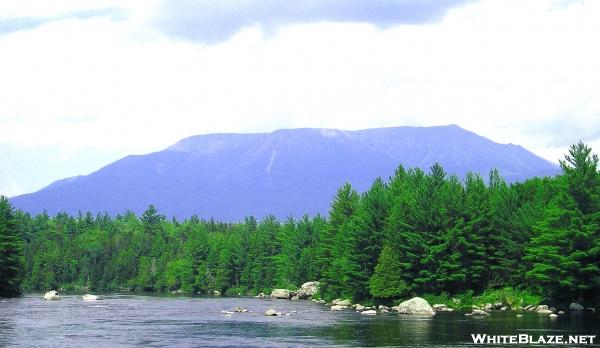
(387, 281)
(10, 251)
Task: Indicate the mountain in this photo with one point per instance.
(289, 171)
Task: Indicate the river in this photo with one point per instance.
(178, 321)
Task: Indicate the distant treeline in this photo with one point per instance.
(417, 233)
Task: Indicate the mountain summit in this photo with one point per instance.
(286, 172)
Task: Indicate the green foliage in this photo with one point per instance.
(10, 251)
(387, 281)
(420, 232)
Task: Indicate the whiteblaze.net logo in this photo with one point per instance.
(529, 339)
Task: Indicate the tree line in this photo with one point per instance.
(416, 233)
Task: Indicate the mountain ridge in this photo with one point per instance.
(286, 172)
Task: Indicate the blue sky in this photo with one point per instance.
(87, 82)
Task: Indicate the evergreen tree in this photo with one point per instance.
(387, 281)
(10, 251)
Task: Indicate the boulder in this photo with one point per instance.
(415, 305)
(271, 313)
(478, 313)
(383, 307)
(302, 294)
(369, 312)
(240, 310)
(51, 295)
(575, 307)
(338, 308)
(310, 288)
(441, 308)
(553, 315)
(280, 293)
(488, 307)
(341, 303)
(544, 311)
(561, 312)
(359, 307)
(216, 293)
(261, 295)
(384, 310)
(541, 307)
(89, 297)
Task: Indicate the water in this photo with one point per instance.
(158, 321)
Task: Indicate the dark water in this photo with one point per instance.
(150, 321)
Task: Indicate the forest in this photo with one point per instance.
(419, 232)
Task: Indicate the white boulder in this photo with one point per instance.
(415, 305)
(280, 293)
(271, 313)
(52, 295)
(89, 297)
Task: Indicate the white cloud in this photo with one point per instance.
(503, 69)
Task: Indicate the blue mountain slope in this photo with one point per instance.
(291, 171)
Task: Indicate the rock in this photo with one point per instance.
(478, 313)
(341, 303)
(280, 293)
(321, 301)
(541, 307)
(240, 310)
(369, 312)
(497, 305)
(441, 308)
(488, 307)
(338, 308)
(553, 315)
(295, 298)
(383, 307)
(519, 315)
(544, 311)
(310, 288)
(216, 293)
(561, 312)
(415, 305)
(503, 308)
(261, 295)
(287, 314)
(360, 307)
(384, 310)
(88, 297)
(302, 294)
(575, 307)
(552, 309)
(476, 307)
(591, 309)
(271, 313)
(52, 296)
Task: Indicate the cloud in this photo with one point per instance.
(525, 72)
(216, 20)
(14, 21)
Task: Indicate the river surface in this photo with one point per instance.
(159, 321)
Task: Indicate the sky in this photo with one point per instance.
(84, 83)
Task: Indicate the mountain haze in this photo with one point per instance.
(290, 171)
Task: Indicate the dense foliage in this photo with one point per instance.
(10, 251)
(417, 233)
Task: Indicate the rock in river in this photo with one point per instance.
(280, 293)
(415, 305)
(271, 313)
(575, 307)
(52, 295)
(89, 297)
